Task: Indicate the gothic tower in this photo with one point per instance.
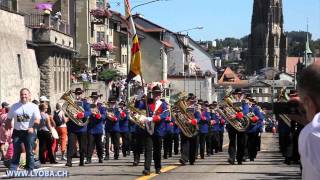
(267, 42)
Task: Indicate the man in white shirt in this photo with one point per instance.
(26, 116)
(309, 139)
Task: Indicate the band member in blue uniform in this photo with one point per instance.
(189, 144)
(203, 117)
(236, 138)
(158, 112)
(95, 128)
(78, 132)
(214, 130)
(124, 129)
(254, 130)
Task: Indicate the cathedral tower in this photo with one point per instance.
(267, 42)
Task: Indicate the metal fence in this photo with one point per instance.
(43, 21)
(6, 5)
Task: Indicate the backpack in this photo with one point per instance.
(57, 118)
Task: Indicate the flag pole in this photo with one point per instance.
(134, 32)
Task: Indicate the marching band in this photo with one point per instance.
(151, 123)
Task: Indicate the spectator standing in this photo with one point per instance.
(26, 117)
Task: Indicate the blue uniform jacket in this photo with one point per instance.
(168, 129)
(245, 108)
(216, 126)
(124, 123)
(163, 113)
(72, 127)
(203, 124)
(255, 128)
(113, 126)
(95, 126)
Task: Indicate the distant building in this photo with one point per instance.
(175, 57)
(267, 41)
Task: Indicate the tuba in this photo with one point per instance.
(138, 117)
(228, 111)
(182, 118)
(70, 108)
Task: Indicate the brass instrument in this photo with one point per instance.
(283, 97)
(228, 111)
(182, 118)
(71, 109)
(136, 115)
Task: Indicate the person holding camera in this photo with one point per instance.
(26, 116)
(309, 139)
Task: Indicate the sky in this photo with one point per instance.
(222, 18)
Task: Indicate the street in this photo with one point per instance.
(268, 165)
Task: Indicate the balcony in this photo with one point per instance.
(8, 5)
(99, 15)
(101, 49)
(42, 21)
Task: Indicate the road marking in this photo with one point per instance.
(152, 175)
(163, 170)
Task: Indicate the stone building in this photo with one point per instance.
(19, 67)
(90, 20)
(44, 52)
(267, 42)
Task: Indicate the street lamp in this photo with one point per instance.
(199, 27)
(128, 42)
(149, 2)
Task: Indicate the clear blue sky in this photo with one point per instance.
(222, 18)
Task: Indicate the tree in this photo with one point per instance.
(297, 43)
(108, 75)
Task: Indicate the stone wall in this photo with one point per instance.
(18, 63)
(55, 72)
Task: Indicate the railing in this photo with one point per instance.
(6, 5)
(45, 21)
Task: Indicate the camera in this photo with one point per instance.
(23, 118)
(291, 107)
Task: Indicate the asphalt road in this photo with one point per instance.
(268, 165)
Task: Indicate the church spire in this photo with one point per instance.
(307, 52)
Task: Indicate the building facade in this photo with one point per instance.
(48, 47)
(267, 41)
(93, 37)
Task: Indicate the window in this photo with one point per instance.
(55, 80)
(100, 36)
(100, 4)
(19, 66)
(254, 91)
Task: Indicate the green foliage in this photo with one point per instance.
(297, 43)
(108, 75)
(85, 85)
(77, 66)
